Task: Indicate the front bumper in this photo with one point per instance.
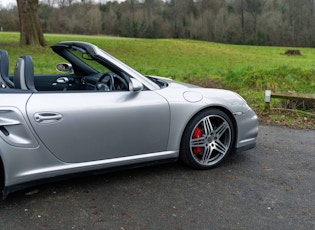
(247, 128)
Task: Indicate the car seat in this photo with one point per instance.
(4, 70)
(24, 74)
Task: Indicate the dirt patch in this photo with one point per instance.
(293, 52)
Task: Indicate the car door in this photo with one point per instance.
(81, 126)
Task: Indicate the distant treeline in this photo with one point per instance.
(256, 22)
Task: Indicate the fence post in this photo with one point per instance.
(267, 100)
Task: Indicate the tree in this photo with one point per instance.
(240, 9)
(30, 28)
(254, 7)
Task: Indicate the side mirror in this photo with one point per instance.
(135, 85)
(64, 68)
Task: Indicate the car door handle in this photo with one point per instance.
(47, 117)
(62, 80)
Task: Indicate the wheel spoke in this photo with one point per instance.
(221, 129)
(198, 142)
(207, 154)
(220, 147)
(207, 126)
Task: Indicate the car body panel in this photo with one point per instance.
(98, 125)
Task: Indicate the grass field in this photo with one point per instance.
(248, 70)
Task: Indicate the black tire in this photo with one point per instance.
(208, 139)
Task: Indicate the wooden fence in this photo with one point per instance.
(290, 96)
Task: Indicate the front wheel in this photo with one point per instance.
(207, 139)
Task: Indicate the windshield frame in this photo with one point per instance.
(103, 58)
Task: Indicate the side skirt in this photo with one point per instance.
(10, 189)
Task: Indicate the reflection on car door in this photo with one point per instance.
(88, 126)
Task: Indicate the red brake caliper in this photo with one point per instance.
(197, 134)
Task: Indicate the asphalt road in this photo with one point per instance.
(269, 187)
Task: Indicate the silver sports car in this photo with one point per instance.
(99, 115)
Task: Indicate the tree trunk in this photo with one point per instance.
(30, 28)
(243, 21)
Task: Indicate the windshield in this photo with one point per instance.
(128, 69)
(88, 60)
(96, 60)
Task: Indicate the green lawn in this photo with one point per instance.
(248, 70)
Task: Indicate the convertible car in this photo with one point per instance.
(99, 115)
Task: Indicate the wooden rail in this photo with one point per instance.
(291, 96)
(294, 96)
